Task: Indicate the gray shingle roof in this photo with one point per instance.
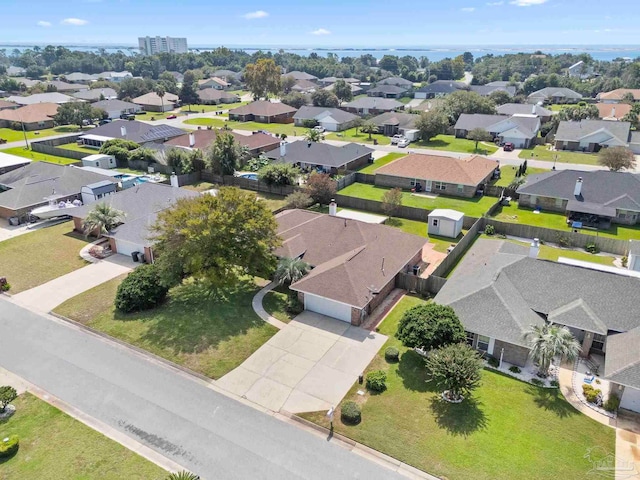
(550, 92)
(601, 187)
(95, 94)
(469, 121)
(136, 131)
(523, 109)
(209, 94)
(402, 120)
(574, 131)
(49, 97)
(114, 104)
(374, 103)
(398, 81)
(387, 89)
(486, 90)
(310, 113)
(443, 86)
(622, 362)
(300, 75)
(318, 153)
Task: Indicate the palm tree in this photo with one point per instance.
(313, 135)
(290, 270)
(548, 341)
(160, 91)
(102, 218)
(368, 127)
(183, 475)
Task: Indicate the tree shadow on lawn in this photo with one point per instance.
(458, 418)
(193, 319)
(552, 400)
(412, 370)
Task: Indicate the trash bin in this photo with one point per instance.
(141, 258)
(134, 256)
(416, 269)
(14, 221)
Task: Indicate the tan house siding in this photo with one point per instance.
(513, 354)
(450, 189)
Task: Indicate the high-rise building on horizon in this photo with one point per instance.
(153, 45)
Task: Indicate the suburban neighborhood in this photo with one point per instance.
(242, 263)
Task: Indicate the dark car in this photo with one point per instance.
(104, 122)
(508, 147)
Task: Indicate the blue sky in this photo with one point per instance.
(324, 23)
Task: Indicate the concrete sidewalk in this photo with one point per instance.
(46, 297)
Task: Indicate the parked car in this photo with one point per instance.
(128, 116)
(396, 138)
(318, 128)
(508, 147)
(171, 117)
(104, 121)
(403, 142)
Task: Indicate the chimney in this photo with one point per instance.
(283, 149)
(174, 180)
(577, 191)
(192, 140)
(333, 208)
(123, 131)
(613, 112)
(533, 109)
(534, 249)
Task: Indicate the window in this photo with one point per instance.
(413, 182)
(440, 186)
(460, 188)
(434, 222)
(483, 343)
(598, 342)
(470, 338)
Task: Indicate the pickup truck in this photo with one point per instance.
(396, 138)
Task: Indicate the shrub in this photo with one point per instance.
(591, 248)
(563, 241)
(590, 393)
(7, 395)
(376, 381)
(350, 413)
(279, 174)
(141, 290)
(430, 326)
(537, 382)
(493, 362)
(298, 200)
(625, 261)
(4, 285)
(554, 383)
(10, 447)
(612, 403)
(489, 230)
(514, 369)
(392, 354)
(294, 306)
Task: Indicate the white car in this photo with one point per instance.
(319, 129)
(403, 142)
(396, 138)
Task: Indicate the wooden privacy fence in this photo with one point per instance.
(50, 147)
(365, 178)
(459, 250)
(430, 285)
(346, 181)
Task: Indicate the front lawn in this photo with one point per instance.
(211, 108)
(541, 152)
(54, 445)
(508, 174)
(453, 144)
(508, 429)
(209, 332)
(350, 135)
(38, 156)
(206, 121)
(37, 257)
(472, 207)
(11, 135)
(275, 303)
(381, 162)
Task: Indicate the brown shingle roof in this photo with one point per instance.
(613, 110)
(263, 108)
(204, 138)
(4, 104)
(209, 94)
(462, 171)
(152, 98)
(350, 258)
(619, 93)
(38, 112)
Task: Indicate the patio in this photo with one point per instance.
(585, 371)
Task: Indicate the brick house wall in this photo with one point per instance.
(359, 162)
(450, 189)
(112, 245)
(546, 203)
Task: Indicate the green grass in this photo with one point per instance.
(415, 227)
(404, 100)
(382, 161)
(556, 107)
(55, 446)
(211, 108)
(37, 257)
(557, 221)
(38, 157)
(213, 122)
(350, 135)
(273, 201)
(275, 303)
(508, 174)
(508, 429)
(11, 135)
(473, 207)
(209, 332)
(453, 144)
(79, 148)
(541, 152)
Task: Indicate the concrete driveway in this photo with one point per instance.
(307, 366)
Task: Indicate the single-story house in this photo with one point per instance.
(201, 139)
(596, 199)
(140, 206)
(486, 90)
(99, 160)
(50, 97)
(213, 82)
(177, 75)
(116, 77)
(372, 106)
(499, 290)
(521, 130)
(444, 222)
(392, 123)
(387, 91)
(439, 88)
(355, 89)
(331, 119)
(34, 117)
(79, 77)
(133, 130)
(317, 155)
(11, 162)
(580, 70)
(96, 94)
(397, 81)
(613, 111)
(304, 86)
(617, 95)
(554, 95)
(355, 264)
(297, 75)
(66, 87)
(331, 80)
(458, 177)
(211, 96)
(228, 76)
(13, 71)
(35, 184)
(151, 102)
(592, 135)
(525, 109)
(115, 108)
(633, 259)
(263, 111)
(7, 105)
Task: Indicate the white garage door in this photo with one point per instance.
(631, 399)
(327, 307)
(126, 248)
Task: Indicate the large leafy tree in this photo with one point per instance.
(324, 98)
(548, 341)
(102, 219)
(223, 155)
(343, 91)
(262, 78)
(430, 326)
(74, 113)
(290, 270)
(321, 187)
(392, 201)
(279, 174)
(217, 239)
(617, 158)
(294, 99)
(463, 101)
(431, 123)
(189, 93)
(455, 368)
(479, 135)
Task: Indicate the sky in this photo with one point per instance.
(331, 23)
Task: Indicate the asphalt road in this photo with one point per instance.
(205, 431)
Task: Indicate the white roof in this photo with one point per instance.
(97, 138)
(7, 160)
(446, 213)
(101, 171)
(96, 156)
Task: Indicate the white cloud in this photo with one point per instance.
(321, 31)
(42, 23)
(468, 9)
(74, 21)
(256, 14)
(527, 3)
(495, 4)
